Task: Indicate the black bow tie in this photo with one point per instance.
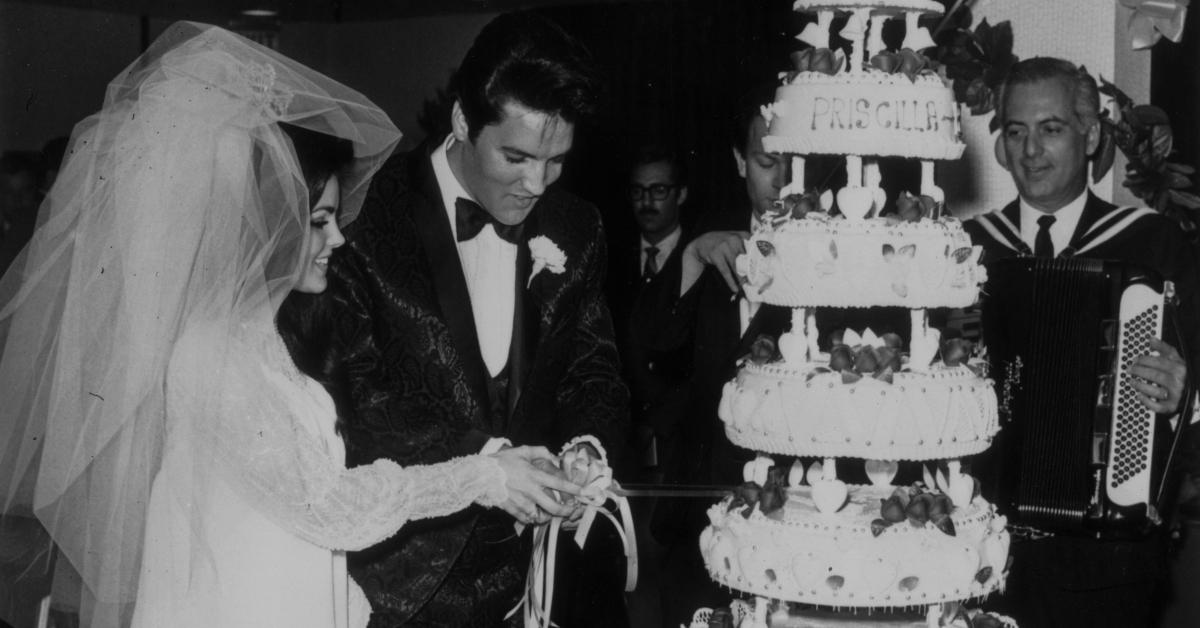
(469, 219)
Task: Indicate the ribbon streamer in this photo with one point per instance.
(539, 583)
(1153, 19)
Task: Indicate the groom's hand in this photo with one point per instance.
(532, 476)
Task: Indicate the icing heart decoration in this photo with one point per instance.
(756, 470)
(829, 495)
(881, 472)
(814, 35)
(961, 489)
(855, 202)
(794, 347)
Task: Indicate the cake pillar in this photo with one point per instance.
(798, 174)
(875, 43)
(915, 37)
(930, 189)
(872, 180)
(854, 171)
(855, 31)
(810, 327)
(794, 343)
(759, 619)
(919, 324)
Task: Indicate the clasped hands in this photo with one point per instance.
(538, 488)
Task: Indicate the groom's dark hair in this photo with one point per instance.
(525, 58)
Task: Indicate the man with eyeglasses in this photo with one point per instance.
(657, 188)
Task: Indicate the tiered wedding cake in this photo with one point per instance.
(804, 536)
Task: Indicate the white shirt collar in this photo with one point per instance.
(1065, 220)
(447, 183)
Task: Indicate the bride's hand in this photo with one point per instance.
(530, 482)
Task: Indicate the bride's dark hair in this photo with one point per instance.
(304, 320)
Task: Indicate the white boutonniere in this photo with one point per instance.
(547, 255)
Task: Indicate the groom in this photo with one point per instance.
(469, 317)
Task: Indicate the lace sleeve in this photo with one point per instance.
(220, 400)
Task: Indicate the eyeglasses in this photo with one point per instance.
(657, 191)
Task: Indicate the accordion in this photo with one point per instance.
(1077, 452)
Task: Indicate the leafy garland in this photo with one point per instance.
(978, 61)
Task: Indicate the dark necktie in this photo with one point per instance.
(470, 218)
(1043, 246)
(651, 266)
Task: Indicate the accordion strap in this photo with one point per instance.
(1003, 231)
(1105, 229)
(1008, 235)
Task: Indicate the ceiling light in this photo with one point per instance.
(260, 13)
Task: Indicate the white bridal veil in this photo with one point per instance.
(181, 200)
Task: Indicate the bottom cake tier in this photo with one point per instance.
(799, 554)
(742, 614)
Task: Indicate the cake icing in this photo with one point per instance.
(864, 263)
(947, 412)
(801, 554)
(925, 6)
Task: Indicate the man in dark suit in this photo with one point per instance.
(702, 315)
(657, 375)
(1049, 128)
(469, 317)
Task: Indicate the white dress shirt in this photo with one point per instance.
(489, 266)
(1065, 221)
(664, 246)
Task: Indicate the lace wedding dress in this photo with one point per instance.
(257, 538)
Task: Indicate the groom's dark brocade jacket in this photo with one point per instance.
(416, 380)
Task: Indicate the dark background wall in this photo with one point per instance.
(674, 68)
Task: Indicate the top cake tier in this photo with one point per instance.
(865, 100)
(870, 113)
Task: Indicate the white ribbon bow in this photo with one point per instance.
(1152, 19)
(596, 491)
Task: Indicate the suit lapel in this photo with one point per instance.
(447, 276)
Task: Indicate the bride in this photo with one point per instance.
(154, 421)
